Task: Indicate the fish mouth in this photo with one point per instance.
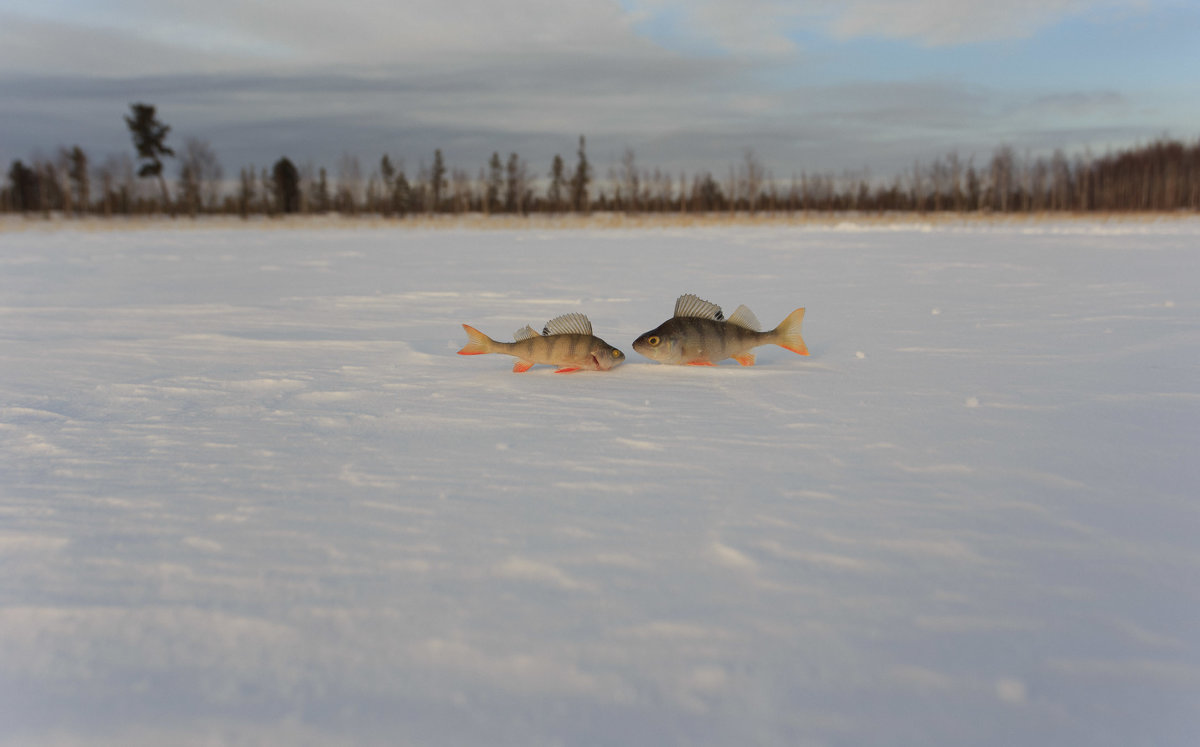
(644, 348)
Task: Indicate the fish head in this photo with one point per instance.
(659, 344)
(605, 356)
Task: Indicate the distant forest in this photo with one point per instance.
(1161, 176)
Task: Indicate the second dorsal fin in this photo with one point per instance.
(693, 306)
(743, 317)
(568, 324)
(524, 333)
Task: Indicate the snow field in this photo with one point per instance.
(249, 494)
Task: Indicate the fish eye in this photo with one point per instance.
(653, 341)
(616, 353)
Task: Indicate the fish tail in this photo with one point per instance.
(477, 344)
(787, 334)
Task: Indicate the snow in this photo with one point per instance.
(249, 494)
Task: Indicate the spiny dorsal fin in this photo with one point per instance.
(524, 333)
(743, 317)
(568, 324)
(694, 306)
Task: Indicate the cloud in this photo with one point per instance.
(176, 36)
(749, 28)
(945, 22)
(134, 37)
(767, 26)
(688, 85)
(683, 117)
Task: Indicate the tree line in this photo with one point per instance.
(1161, 176)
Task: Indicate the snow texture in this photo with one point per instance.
(251, 495)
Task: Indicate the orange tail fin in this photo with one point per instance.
(478, 343)
(787, 334)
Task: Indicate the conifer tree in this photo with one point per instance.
(25, 193)
(516, 176)
(558, 183)
(387, 172)
(495, 182)
(437, 180)
(581, 179)
(149, 136)
(287, 186)
(77, 171)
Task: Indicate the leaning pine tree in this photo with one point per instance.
(148, 137)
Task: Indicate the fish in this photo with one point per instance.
(699, 335)
(565, 341)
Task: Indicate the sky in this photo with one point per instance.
(811, 86)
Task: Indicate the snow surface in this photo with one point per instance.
(251, 495)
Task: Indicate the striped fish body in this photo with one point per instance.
(700, 335)
(568, 351)
(566, 341)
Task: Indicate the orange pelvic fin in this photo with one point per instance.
(701, 363)
(567, 369)
(788, 333)
(522, 366)
(746, 359)
(477, 342)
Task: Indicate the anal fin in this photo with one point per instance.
(746, 359)
(701, 363)
(522, 366)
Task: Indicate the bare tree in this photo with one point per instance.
(200, 175)
(349, 186)
(751, 178)
(460, 191)
(318, 193)
(247, 191)
(1060, 182)
(954, 173)
(733, 188)
(115, 175)
(1039, 178)
(59, 172)
(974, 190)
(939, 178)
(305, 185)
(1002, 178)
(629, 180)
(917, 188)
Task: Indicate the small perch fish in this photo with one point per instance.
(566, 341)
(700, 335)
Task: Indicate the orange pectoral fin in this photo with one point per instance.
(567, 369)
(522, 366)
(746, 359)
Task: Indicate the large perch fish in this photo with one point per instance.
(566, 341)
(699, 335)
